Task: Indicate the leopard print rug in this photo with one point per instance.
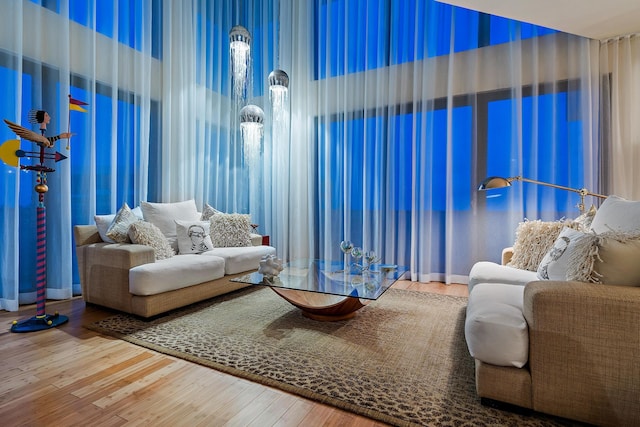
(401, 360)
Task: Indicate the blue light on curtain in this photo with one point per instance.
(445, 102)
(107, 157)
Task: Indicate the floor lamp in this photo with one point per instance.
(499, 182)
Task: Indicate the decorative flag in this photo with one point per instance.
(75, 105)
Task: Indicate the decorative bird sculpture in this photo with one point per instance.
(29, 135)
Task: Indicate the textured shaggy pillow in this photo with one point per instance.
(533, 241)
(118, 231)
(145, 233)
(193, 237)
(230, 230)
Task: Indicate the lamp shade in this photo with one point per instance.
(251, 114)
(278, 78)
(494, 182)
(239, 35)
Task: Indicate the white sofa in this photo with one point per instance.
(564, 346)
(129, 277)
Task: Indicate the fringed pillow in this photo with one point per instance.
(533, 241)
(617, 261)
(610, 258)
(571, 257)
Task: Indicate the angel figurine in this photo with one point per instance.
(42, 118)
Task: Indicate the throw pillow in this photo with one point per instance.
(104, 221)
(119, 228)
(570, 257)
(164, 215)
(208, 212)
(145, 233)
(230, 230)
(617, 214)
(193, 237)
(583, 222)
(533, 241)
(617, 261)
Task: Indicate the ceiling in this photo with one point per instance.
(596, 19)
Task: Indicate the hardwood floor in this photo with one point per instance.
(72, 376)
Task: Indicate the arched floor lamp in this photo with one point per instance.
(499, 182)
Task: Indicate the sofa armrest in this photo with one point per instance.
(86, 234)
(583, 341)
(507, 254)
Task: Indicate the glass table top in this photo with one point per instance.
(330, 277)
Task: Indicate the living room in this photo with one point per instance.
(391, 121)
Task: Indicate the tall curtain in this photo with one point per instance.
(401, 108)
(620, 67)
(98, 53)
(202, 154)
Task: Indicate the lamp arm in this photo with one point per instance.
(582, 191)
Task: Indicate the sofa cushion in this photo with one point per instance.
(104, 221)
(193, 237)
(495, 328)
(239, 260)
(207, 212)
(490, 272)
(164, 215)
(230, 230)
(618, 260)
(567, 258)
(617, 214)
(145, 233)
(174, 273)
(118, 230)
(533, 240)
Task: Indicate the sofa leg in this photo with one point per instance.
(503, 406)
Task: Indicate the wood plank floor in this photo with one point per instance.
(70, 376)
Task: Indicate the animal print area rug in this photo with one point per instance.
(401, 360)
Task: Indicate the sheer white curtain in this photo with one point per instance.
(400, 109)
(99, 53)
(620, 66)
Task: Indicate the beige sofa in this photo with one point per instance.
(107, 272)
(563, 347)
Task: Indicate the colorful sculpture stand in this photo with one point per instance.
(11, 154)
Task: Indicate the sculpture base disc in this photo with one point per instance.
(35, 323)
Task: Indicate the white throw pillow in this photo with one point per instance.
(569, 257)
(118, 231)
(104, 221)
(164, 216)
(617, 214)
(230, 230)
(193, 237)
(145, 233)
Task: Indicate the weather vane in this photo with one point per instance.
(10, 153)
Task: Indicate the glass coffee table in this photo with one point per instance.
(324, 290)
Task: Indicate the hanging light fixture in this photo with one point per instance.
(278, 91)
(240, 50)
(251, 127)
